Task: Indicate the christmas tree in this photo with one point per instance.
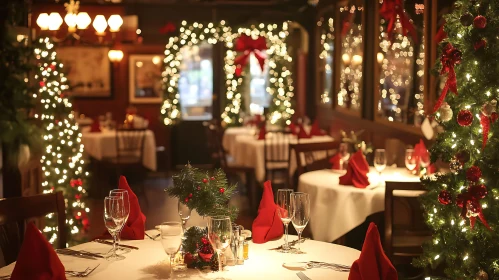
(462, 206)
(62, 160)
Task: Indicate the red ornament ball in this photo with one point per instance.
(42, 83)
(52, 66)
(444, 197)
(221, 190)
(473, 174)
(188, 258)
(212, 178)
(190, 195)
(494, 116)
(480, 44)
(480, 22)
(186, 199)
(204, 240)
(466, 19)
(478, 191)
(464, 118)
(199, 188)
(205, 180)
(463, 156)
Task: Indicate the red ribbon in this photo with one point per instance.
(167, 28)
(441, 34)
(450, 57)
(248, 45)
(485, 122)
(474, 198)
(390, 9)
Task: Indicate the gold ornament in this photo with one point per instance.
(445, 113)
(487, 109)
(482, 275)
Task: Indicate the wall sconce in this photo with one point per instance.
(356, 59)
(43, 21)
(115, 55)
(380, 57)
(115, 22)
(71, 20)
(55, 21)
(83, 20)
(346, 59)
(100, 25)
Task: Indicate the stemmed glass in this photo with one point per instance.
(283, 204)
(219, 234)
(300, 209)
(379, 160)
(122, 194)
(410, 160)
(114, 219)
(184, 212)
(171, 239)
(424, 160)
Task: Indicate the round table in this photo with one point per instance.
(149, 262)
(337, 209)
(230, 134)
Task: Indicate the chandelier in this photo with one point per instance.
(77, 21)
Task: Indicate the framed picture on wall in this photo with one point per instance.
(145, 80)
(88, 70)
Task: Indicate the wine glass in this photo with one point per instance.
(410, 160)
(300, 209)
(424, 160)
(114, 218)
(184, 212)
(219, 234)
(171, 239)
(379, 160)
(283, 203)
(123, 194)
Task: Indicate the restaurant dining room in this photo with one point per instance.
(249, 139)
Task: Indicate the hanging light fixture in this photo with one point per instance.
(55, 21)
(115, 55)
(100, 25)
(115, 22)
(43, 21)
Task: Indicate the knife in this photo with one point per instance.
(302, 276)
(82, 253)
(111, 243)
(78, 255)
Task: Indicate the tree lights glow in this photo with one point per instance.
(62, 161)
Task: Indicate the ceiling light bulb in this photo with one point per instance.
(100, 24)
(115, 22)
(55, 21)
(43, 21)
(83, 20)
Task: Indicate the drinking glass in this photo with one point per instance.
(184, 212)
(379, 160)
(123, 194)
(171, 238)
(219, 234)
(300, 209)
(114, 218)
(410, 160)
(283, 204)
(424, 160)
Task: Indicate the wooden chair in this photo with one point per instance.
(315, 155)
(130, 146)
(276, 154)
(15, 211)
(405, 229)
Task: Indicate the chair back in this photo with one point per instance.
(130, 145)
(13, 215)
(313, 156)
(276, 151)
(405, 228)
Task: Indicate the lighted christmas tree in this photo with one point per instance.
(462, 206)
(62, 160)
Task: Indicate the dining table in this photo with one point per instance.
(337, 209)
(150, 261)
(102, 145)
(246, 150)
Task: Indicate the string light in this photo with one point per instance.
(327, 41)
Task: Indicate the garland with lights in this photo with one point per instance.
(461, 207)
(62, 160)
(280, 86)
(327, 37)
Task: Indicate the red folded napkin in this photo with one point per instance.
(315, 130)
(95, 127)
(37, 260)
(261, 134)
(267, 225)
(372, 264)
(420, 152)
(302, 134)
(258, 119)
(292, 128)
(134, 228)
(356, 171)
(335, 161)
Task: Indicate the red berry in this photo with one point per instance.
(212, 178)
(205, 180)
(186, 199)
(199, 188)
(190, 195)
(221, 190)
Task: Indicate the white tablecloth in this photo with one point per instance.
(230, 134)
(337, 209)
(248, 151)
(101, 145)
(149, 262)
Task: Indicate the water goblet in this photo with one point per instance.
(283, 210)
(300, 209)
(114, 218)
(219, 235)
(171, 239)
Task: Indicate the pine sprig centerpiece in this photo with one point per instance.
(206, 192)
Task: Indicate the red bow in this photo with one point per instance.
(167, 28)
(470, 202)
(390, 9)
(450, 57)
(441, 34)
(248, 45)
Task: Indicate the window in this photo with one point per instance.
(259, 98)
(195, 85)
(327, 57)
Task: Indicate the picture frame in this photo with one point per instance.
(88, 70)
(145, 78)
